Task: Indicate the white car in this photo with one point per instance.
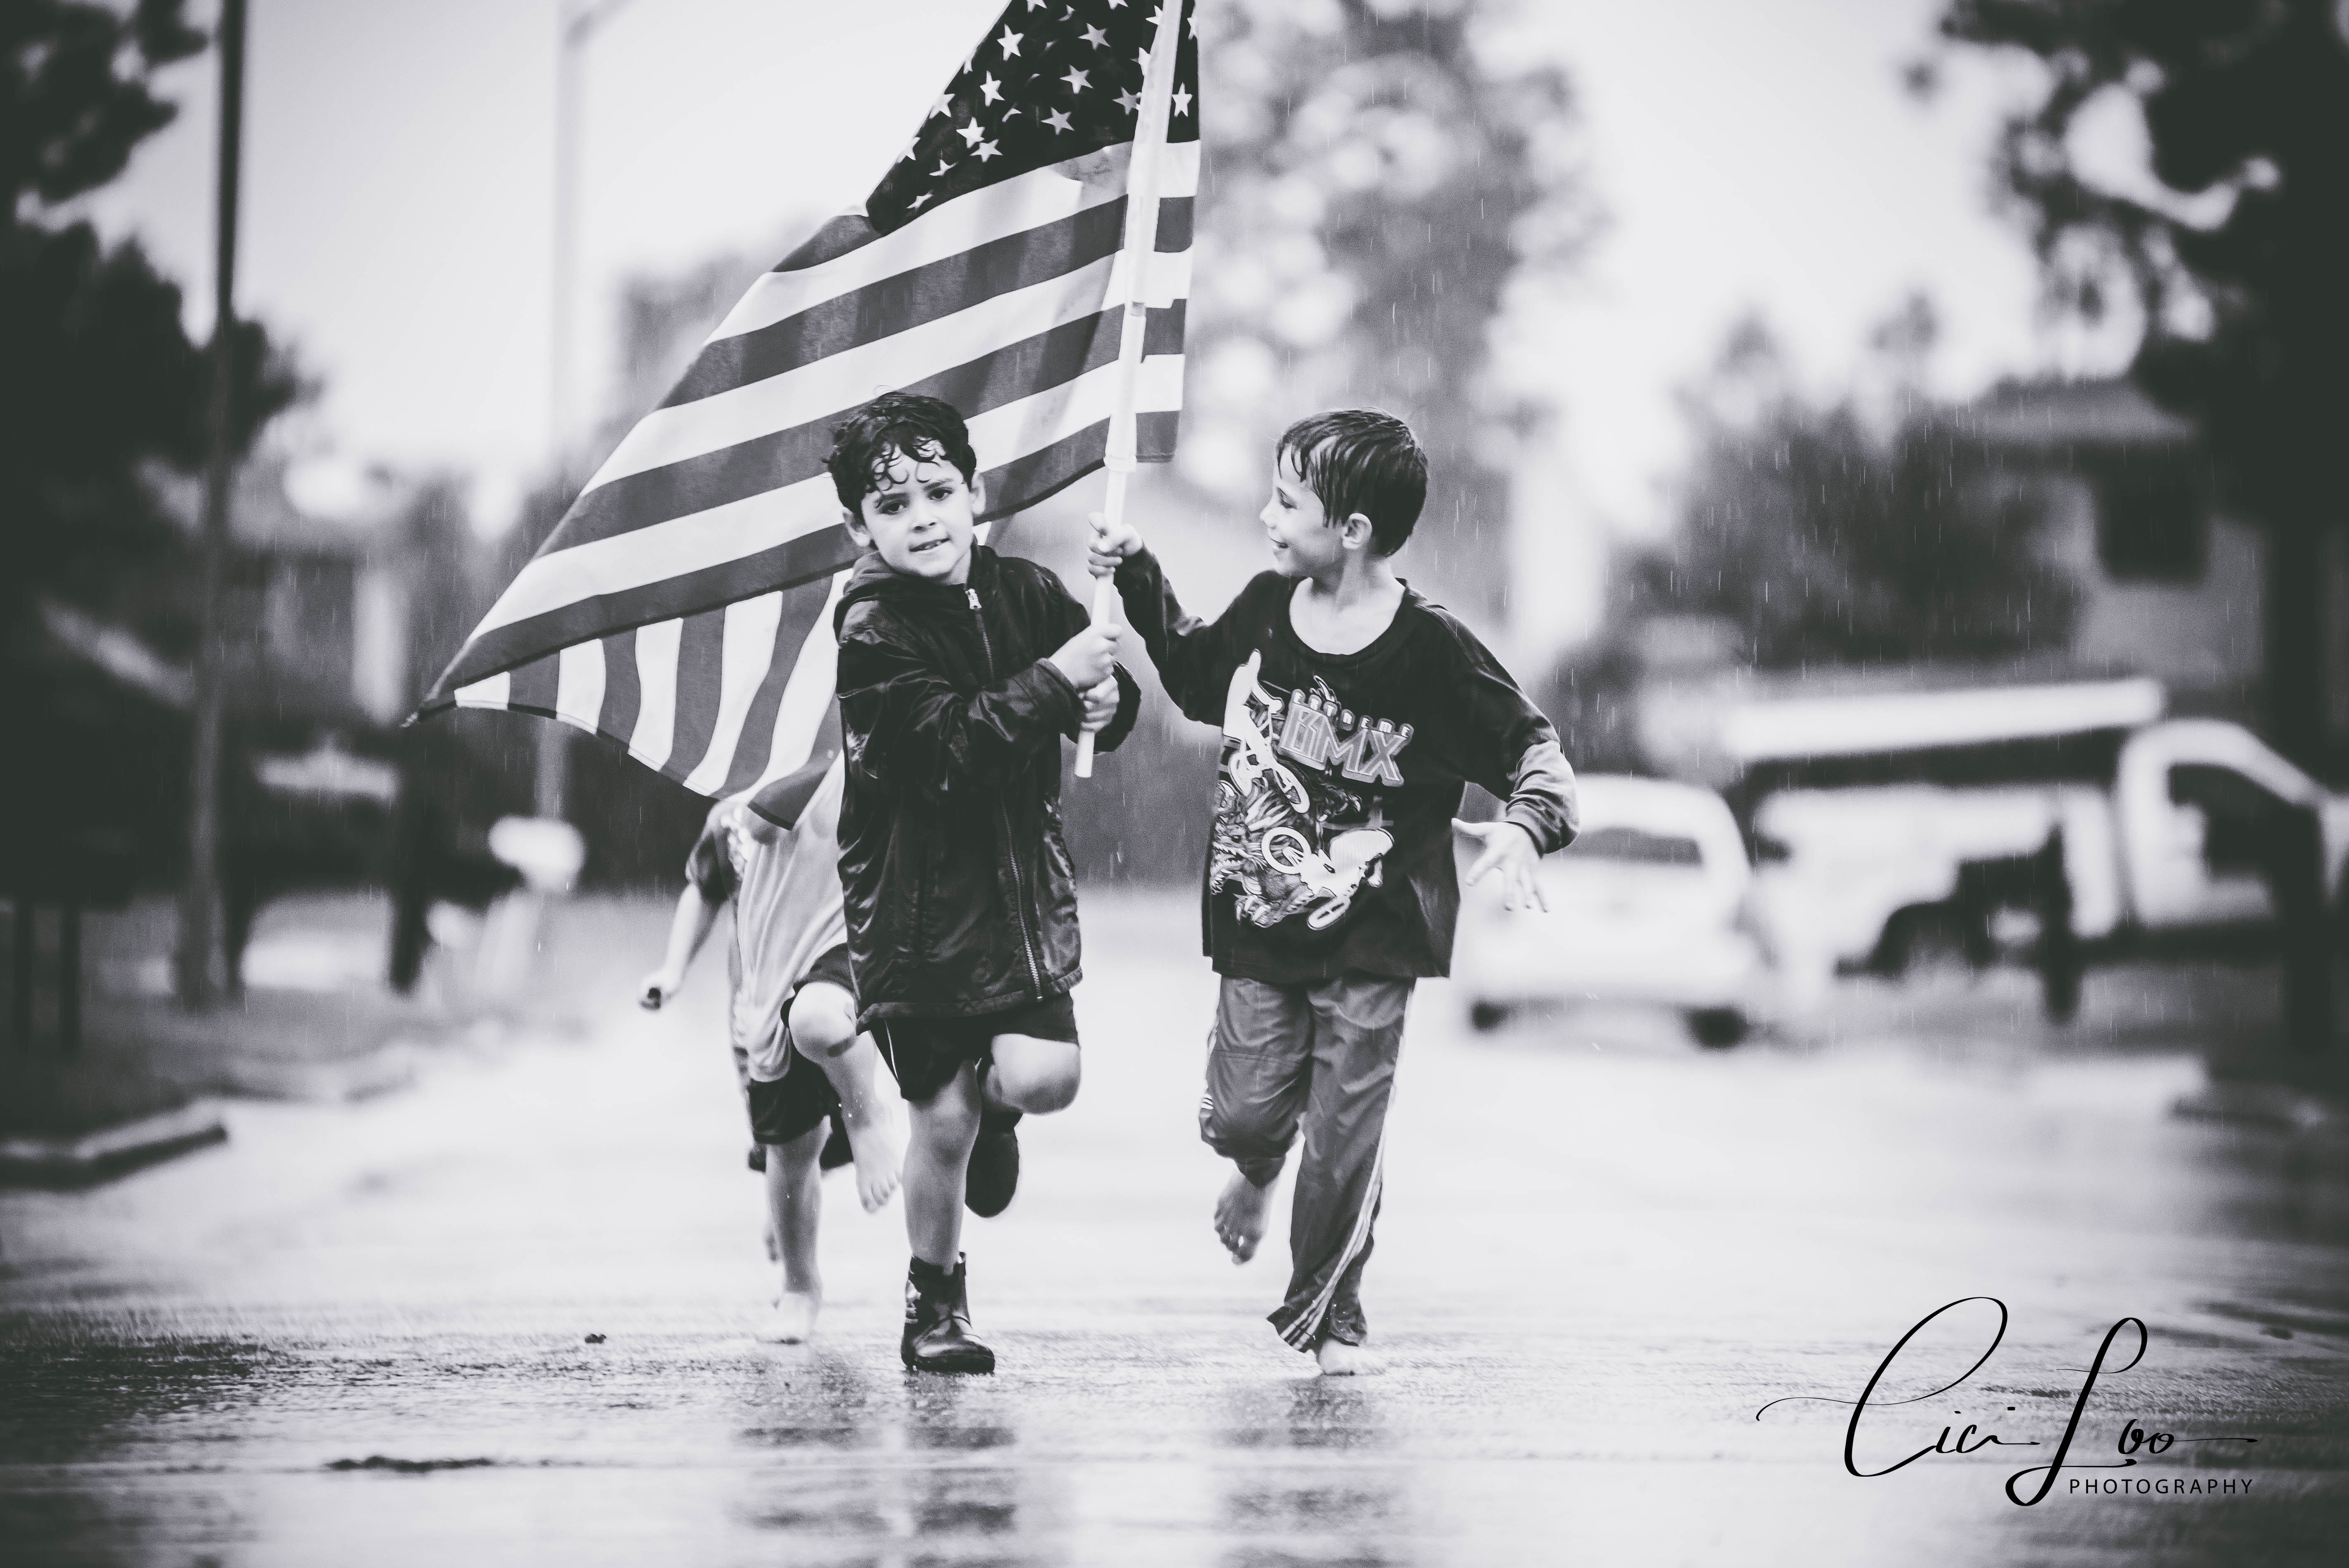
(1648, 905)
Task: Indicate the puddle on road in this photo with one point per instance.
(1310, 1414)
(95, 1403)
(387, 1464)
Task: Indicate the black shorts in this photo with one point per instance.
(802, 1098)
(830, 965)
(925, 1052)
(794, 1105)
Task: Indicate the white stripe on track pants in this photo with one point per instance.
(1322, 1054)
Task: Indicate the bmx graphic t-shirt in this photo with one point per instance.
(1300, 802)
(1330, 849)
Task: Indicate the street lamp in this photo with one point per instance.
(199, 962)
(576, 22)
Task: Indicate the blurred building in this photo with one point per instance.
(2162, 581)
(2170, 584)
(318, 610)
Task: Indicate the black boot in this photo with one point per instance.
(993, 1174)
(938, 1336)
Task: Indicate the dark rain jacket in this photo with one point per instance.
(961, 894)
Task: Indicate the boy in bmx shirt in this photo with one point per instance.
(1353, 712)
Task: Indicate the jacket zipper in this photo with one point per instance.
(1003, 814)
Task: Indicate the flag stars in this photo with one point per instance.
(982, 103)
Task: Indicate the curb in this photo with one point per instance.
(2247, 1103)
(387, 1070)
(111, 1151)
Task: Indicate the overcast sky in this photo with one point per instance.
(1751, 153)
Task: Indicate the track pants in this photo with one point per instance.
(1323, 1054)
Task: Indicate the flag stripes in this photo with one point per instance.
(676, 609)
(650, 737)
(780, 538)
(767, 712)
(922, 294)
(593, 613)
(740, 444)
(835, 261)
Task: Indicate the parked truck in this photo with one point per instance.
(2062, 823)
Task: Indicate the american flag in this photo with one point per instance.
(682, 607)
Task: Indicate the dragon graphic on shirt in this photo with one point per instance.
(1300, 840)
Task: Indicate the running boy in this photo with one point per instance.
(791, 1018)
(960, 671)
(1353, 711)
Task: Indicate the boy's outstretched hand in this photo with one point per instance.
(1110, 545)
(657, 987)
(1088, 657)
(1508, 850)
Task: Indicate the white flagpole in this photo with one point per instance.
(1134, 284)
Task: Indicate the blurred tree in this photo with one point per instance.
(1822, 540)
(98, 374)
(1379, 181)
(2246, 317)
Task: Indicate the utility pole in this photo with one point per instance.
(200, 968)
(575, 24)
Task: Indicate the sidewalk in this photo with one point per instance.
(316, 1022)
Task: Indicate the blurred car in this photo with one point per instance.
(1646, 906)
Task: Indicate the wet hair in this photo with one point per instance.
(893, 426)
(1359, 460)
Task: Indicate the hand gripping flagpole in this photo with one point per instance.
(1131, 281)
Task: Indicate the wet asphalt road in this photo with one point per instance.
(359, 1335)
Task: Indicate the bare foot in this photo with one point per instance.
(879, 1159)
(793, 1321)
(1240, 1216)
(1340, 1360)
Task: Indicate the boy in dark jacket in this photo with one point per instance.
(1353, 711)
(960, 671)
